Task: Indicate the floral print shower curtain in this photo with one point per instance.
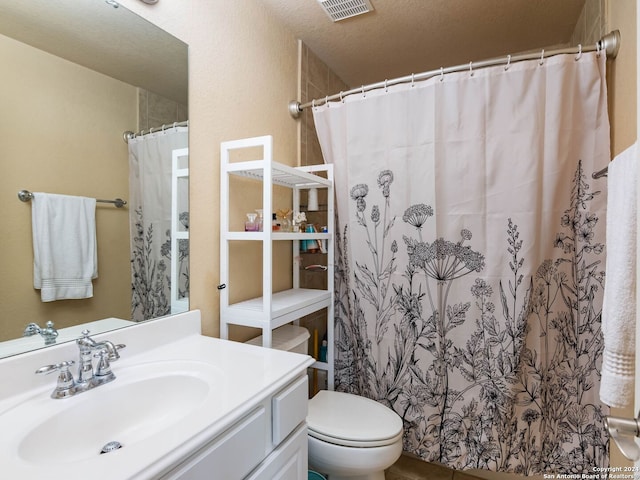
(470, 261)
(150, 170)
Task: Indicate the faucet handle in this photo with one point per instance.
(31, 329)
(65, 384)
(103, 369)
(115, 355)
(62, 367)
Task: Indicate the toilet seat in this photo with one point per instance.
(352, 421)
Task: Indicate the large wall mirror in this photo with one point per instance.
(77, 74)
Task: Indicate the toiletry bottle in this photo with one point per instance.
(275, 224)
(324, 244)
(312, 245)
(323, 351)
(260, 220)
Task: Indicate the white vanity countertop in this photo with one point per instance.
(241, 375)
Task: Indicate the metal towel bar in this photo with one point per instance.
(27, 196)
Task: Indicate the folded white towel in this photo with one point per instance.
(619, 307)
(65, 254)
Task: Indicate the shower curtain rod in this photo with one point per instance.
(27, 196)
(128, 135)
(610, 43)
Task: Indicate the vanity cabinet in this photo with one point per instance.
(182, 406)
(273, 309)
(269, 442)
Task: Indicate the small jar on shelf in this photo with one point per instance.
(251, 225)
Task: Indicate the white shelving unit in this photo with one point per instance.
(179, 202)
(274, 309)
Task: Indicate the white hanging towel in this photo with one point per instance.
(619, 307)
(65, 253)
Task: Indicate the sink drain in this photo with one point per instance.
(110, 447)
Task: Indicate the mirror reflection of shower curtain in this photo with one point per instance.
(470, 261)
(150, 167)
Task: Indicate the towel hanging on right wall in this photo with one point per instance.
(619, 304)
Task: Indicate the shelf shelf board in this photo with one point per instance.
(286, 306)
(282, 175)
(255, 236)
(320, 365)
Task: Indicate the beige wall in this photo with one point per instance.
(621, 15)
(60, 132)
(242, 74)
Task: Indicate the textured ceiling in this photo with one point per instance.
(401, 37)
(398, 38)
(109, 40)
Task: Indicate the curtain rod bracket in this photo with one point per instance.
(610, 43)
(294, 109)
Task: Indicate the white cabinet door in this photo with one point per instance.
(288, 461)
(231, 456)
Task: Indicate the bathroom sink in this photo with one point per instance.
(143, 401)
(177, 393)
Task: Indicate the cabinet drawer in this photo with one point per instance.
(289, 409)
(231, 456)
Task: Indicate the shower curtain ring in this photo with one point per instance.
(341, 99)
(385, 86)
(471, 69)
(441, 74)
(413, 84)
(364, 95)
(579, 56)
(326, 101)
(506, 67)
(313, 103)
(598, 49)
(541, 62)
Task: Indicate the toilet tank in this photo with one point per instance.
(291, 338)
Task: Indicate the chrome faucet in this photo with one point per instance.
(105, 351)
(49, 333)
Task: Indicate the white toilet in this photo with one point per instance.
(352, 437)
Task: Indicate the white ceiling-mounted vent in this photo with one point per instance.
(341, 9)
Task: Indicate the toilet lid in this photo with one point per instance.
(351, 420)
